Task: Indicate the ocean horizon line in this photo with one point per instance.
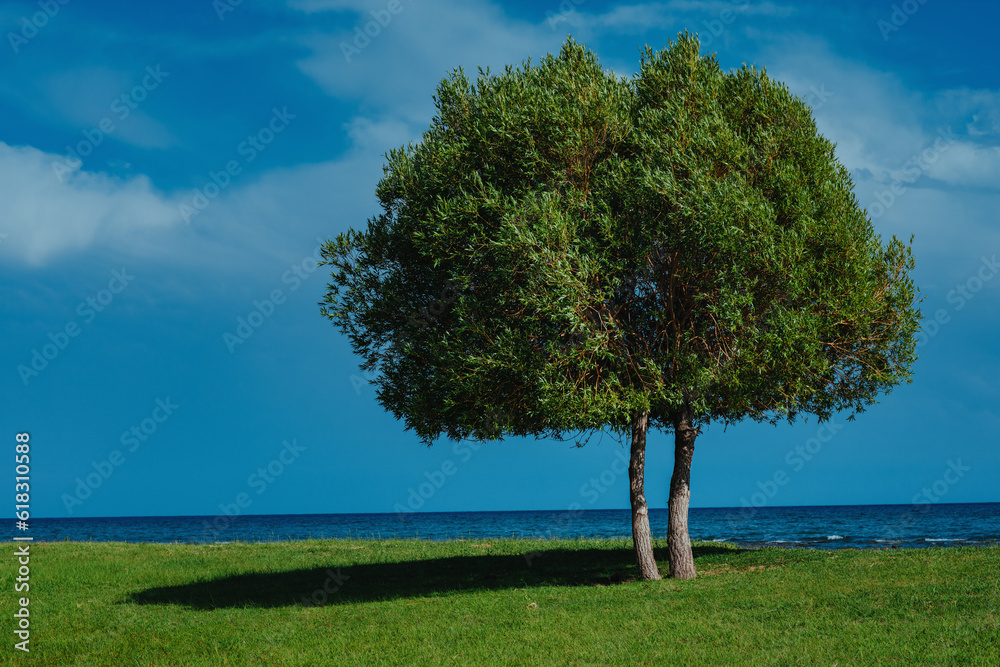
(551, 511)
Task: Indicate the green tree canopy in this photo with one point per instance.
(582, 252)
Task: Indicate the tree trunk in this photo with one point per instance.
(641, 537)
(678, 541)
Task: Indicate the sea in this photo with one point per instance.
(813, 527)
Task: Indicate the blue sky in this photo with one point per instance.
(168, 170)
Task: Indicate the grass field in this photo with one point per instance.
(516, 602)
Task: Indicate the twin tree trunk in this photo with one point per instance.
(679, 554)
(641, 537)
(678, 541)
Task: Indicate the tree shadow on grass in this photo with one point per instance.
(409, 579)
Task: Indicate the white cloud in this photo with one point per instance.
(886, 134)
(396, 71)
(871, 116)
(631, 17)
(658, 15)
(967, 164)
(370, 135)
(248, 225)
(44, 216)
(954, 228)
(882, 127)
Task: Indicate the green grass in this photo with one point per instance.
(403, 602)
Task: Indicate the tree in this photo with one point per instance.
(583, 252)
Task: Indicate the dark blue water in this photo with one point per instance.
(829, 527)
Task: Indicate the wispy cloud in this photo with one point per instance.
(658, 15)
(315, 6)
(977, 110)
(744, 6)
(480, 34)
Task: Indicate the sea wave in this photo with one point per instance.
(834, 537)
